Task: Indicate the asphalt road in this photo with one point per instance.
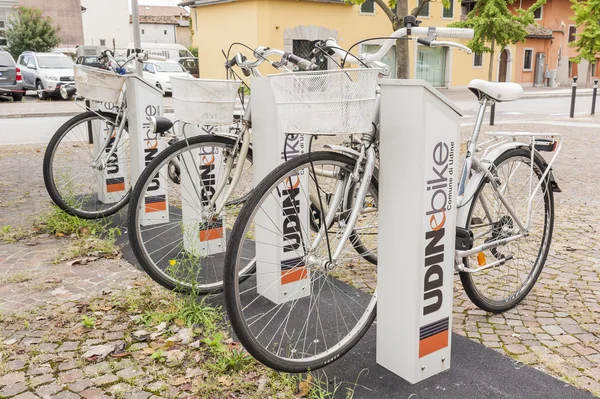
(40, 130)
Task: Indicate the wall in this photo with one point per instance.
(67, 15)
(96, 26)
(184, 36)
(155, 33)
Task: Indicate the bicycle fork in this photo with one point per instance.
(339, 194)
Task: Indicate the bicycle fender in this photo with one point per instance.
(477, 178)
(348, 151)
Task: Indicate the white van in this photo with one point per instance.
(169, 51)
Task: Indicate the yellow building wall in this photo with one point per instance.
(263, 22)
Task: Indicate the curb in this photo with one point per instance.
(55, 114)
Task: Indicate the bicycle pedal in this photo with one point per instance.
(464, 239)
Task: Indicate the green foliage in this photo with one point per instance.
(29, 30)
(88, 322)
(194, 50)
(587, 15)
(492, 20)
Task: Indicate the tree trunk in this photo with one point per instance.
(491, 68)
(402, 58)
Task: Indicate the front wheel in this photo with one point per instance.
(520, 262)
(174, 234)
(72, 182)
(296, 310)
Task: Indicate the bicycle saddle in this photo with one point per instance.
(496, 91)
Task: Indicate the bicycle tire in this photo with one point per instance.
(232, 281)
(471, 286)
(48, 169)
(140, 250)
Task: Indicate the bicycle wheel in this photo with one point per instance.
(295, 311)
(73, 184)
(184, 250)
(502, 287)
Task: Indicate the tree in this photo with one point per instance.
(396, 10)
(495, 24)
(29, 30)
(587, 43)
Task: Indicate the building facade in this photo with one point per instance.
(7, 7)
(162, 24)
(294, 26)
(67, 15)
(97, 30)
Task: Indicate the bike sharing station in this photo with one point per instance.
(419, 141)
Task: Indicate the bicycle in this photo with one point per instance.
(315, 323)
(208, 178)
(87, 162)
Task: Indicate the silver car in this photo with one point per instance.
(11, 80)
(46, 72)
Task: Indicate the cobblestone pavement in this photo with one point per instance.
(556, 328)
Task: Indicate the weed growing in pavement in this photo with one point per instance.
(88, 322)
(10, 234)
(93, 237)
(15, 278)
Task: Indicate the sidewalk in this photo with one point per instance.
(463, 94)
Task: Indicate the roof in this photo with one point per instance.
(538, 31)
(163, 11)
(160, 19)
(200, 3)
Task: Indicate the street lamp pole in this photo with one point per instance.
(137, 39)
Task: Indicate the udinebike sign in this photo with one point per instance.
(202, 236)
(145, 101)
(419, 141)
(280, 255)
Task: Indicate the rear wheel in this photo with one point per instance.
(72, 182)
(519, 262)
(294, 311)
(178, 240)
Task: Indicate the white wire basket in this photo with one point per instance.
(326, 102)
(204, 101)
(98, 85)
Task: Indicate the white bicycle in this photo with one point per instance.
(505, 220)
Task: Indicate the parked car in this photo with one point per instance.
(191, 65)
(159, 73)
(11, 79)
(46, 72)
(90, 60)
(169, 51)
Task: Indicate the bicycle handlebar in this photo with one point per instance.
(430, 32)
(262, 54)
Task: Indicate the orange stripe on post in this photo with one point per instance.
(295, 274)
(111, 188)
(211, 234)
(156, 206)
(434, 343)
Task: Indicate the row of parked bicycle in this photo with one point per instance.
(294, 248)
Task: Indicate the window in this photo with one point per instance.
(368, 7)
(2, 28)
(477, 60)
(3, 41)
(466, 7)
(143, 32)
(304, 48)
(572, 33)
(449, 12)
(102, 42)
(425, 10)
(537, 14)
(528, 59)
(165, 31)
(573, 69)
(594, 69)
